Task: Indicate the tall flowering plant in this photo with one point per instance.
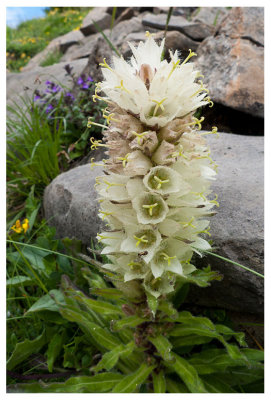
(154, 193)
(155, 202)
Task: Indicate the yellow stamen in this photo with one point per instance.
(214, 200)
(201, 89)
(213, 132)
(211, 103)
(160, 181)
(159, 104)
(110, 184)
(102, 237)
(134, 265)
(105, 214)
(167, 258)
(150, 207)
(140, 240)
(191, 54)
(90, 123)
(189, 223)
(124, 159)
(97, 89)
(96, 143)
(122, 87)
(140, 136)
(148, 34)
(105, 65)
(109, 117)
(93, 164)
(175, 64)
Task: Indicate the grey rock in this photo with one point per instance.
(22, 85)
(194, 30)
(234, 70)
(124, 28)
(237, 228)
(177, 41)
(100, 51)
(70, 203)
(209, 15)
(61, 43)
(127, 13)
(85, 49)
(245, 23)
(100, 17)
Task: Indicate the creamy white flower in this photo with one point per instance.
(154, 194)
(158, 91)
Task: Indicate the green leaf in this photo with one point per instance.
(47, 303)
(159, 382)
(175, 387)
(101, 307)
(130, 322)
(191, 340)
(131, 382)
(163, 346)
(108, 293)
(216, 385)
(54, 349)
(101, 336)
(225, 330)
(188, 374)
(99, 383)
(214, 360)
(168, 309)
(24, 349)
(110, 359)
(20, 280)
(152, 303)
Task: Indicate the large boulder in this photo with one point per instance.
(96, 17)
(20, 86)
(237, 230)
(194, 30)
(232, 61)
(238, 227)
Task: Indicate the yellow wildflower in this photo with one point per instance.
(23, 55)
(18, 227)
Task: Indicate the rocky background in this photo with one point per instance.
(229, 43)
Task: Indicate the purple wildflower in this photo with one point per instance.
(85, 85)
(80, 80)
(49, 108)
(48, 83)
(37, 97)
(89, 79)
(68, 94)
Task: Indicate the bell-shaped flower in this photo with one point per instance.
(165, 180)
(150, 208)
(141, 239)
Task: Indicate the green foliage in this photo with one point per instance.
(32, 36)
(52, 58)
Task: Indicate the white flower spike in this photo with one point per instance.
(157, 177)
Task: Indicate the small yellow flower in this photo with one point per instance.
(25, 225)
(18, 227)
(23, 55)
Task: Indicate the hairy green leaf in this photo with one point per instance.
(20, 280)
(99, 383)
(131, 382)
(129, 322)
(159, 382)
(24, 349)
(163, 346)
(188, 374)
